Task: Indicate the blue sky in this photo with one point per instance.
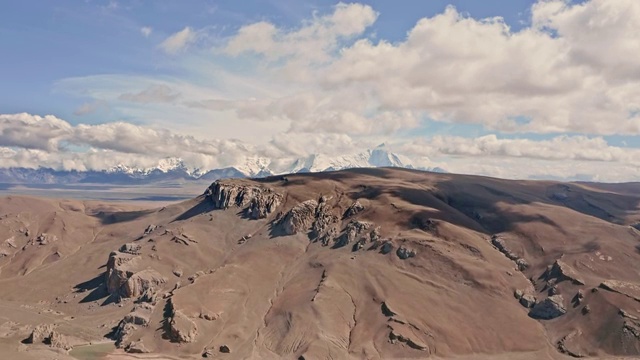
(550, 83)
(47, 41)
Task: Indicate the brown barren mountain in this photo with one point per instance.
(363, 264)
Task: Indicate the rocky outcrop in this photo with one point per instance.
(323, 228)
(564, 344)
(40, 333)
(138, 317)
(120, 267)
(123, 279)
(501, 245)
(628, 289)
(354, 231)
(44, 239)
(405, 253)
(143, 281)
(179, 327)
(386, 247)
(47, 334)
(396, 335)
(299, 218)
(136, 347)
(525, 299)
(131, 248)
(353, 210)
(549, 308)
(561, 271)
(257, 202)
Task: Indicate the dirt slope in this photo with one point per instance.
(369, 263)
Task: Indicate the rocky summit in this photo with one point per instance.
(355, 264)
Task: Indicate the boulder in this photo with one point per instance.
(386, 247)
(44, 239)
(549, 308)
(528, 301)
(405, 253)
(131, 248)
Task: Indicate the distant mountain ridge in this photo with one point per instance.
(175, 169)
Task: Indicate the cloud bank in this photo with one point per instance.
(546, 100)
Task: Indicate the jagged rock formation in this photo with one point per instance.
(500, 244)
(561, 271)
(179, 327)
(47, 334)
(353, 210)
(549, 308)
(354, 231)
(256, 202)
(299, 218)
(122, 277)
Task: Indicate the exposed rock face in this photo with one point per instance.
(136, 347)
(354, 231)
(123, 279)
(353, 210)
(180, 328)
(527, 300)
(58, 341)
(139, 316)
(299, 218)
(119, 269)
(395, 335)
(131, 248)
(44, 239)
(47, 334)
(143, 281)
(405, 253)
(257, 202)
(40, 333)
(500, 244)
(562, 271)
(151, 228)
(549, 308)
(323, 227)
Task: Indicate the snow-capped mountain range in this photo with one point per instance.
(175, 169)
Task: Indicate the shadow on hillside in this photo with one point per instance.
(97, 290)
(115, 217)
(490, 205)
(204, 205)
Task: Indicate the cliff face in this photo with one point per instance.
(354, 264)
